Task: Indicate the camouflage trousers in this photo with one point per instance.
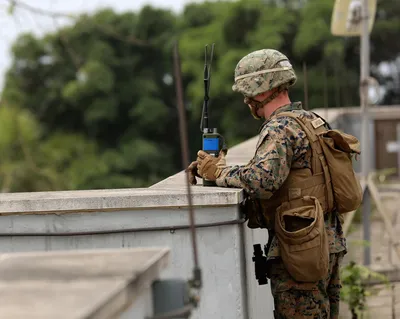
(295, 300)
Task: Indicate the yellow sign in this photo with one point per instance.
(347, 17)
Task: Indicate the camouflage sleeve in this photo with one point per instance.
(280, 140)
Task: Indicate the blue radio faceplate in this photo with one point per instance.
(210, 144)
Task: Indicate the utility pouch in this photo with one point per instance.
(252, 209)
(302, 239)
(338, 147)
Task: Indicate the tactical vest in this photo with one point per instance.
(331, 178)
(296, 212)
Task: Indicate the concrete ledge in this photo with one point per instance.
(78, 284)
(114, 199)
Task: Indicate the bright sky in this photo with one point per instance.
(22, 21)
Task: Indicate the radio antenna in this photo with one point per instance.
(207, 80)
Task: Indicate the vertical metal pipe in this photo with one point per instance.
(185, 161)
(305, 86)
(326, 105)
(366, 145)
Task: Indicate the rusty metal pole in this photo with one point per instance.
(196, 282)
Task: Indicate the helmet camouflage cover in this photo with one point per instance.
(261, 71)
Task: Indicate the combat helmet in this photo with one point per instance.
(262, 71)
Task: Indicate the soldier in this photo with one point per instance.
(308, 285)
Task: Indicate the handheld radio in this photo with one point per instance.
(213, 142)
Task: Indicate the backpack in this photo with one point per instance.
(338, 149)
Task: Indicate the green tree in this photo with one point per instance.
(106, 80)
(31, 163)
(102, 79)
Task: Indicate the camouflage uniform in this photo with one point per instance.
(282, 145)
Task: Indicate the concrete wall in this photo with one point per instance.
(143, 218)
(142, 306)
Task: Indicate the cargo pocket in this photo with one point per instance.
(303, 240)
(282, 281)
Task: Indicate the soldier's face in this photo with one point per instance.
(256, 108)
(255, 112)
(257, 103)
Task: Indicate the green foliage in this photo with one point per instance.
(31, 163)
(354, 290)
(101, 92)
(101, 100)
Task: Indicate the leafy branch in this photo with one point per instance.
(355, 290)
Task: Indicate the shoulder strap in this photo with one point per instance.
(318, 161)
(309, 128)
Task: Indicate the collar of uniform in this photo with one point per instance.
(284, 108)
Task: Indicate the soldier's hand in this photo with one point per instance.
(210, 167)
(192, 173)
